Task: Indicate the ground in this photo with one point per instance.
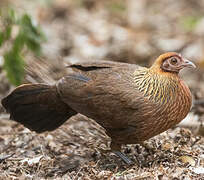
(72, 152)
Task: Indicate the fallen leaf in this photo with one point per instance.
(32, 161)
(188, 159)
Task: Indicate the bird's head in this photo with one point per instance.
(171, 62)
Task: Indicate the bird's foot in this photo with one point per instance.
(123, 157)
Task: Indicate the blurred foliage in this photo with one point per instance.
(28, 36)
(189, 22)
(113, 6)
(116, 6)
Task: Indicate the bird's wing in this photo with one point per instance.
(95, 65)
(103, 91)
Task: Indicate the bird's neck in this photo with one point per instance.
(159, 87)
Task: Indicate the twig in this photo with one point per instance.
(5, 157)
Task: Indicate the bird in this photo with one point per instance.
(132, 103)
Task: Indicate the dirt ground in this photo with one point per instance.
(127, 31)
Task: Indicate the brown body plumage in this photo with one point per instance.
(132, 103)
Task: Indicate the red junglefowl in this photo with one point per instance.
(132, 103)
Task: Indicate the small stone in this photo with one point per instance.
(197, 170)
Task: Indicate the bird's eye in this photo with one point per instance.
(174, 61)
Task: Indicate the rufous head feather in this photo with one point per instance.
(171, 62)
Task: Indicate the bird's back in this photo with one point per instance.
(103, 91)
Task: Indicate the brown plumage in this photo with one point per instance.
(132, 103)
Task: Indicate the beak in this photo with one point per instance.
(189, 64)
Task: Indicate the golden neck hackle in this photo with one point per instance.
(159, 87)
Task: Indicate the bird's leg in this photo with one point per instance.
(119, 154)
(123, 157)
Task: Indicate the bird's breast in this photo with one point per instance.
(167, 102)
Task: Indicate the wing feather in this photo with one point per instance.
(101, 90)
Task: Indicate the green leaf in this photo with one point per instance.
(8, 32)
(5, 35)
(12, 15)
(14, 62)
(1, 38)
(18, 43)
(29, 36)
(32, 34)
(14, 66)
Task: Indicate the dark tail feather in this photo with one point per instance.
(38, 107)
